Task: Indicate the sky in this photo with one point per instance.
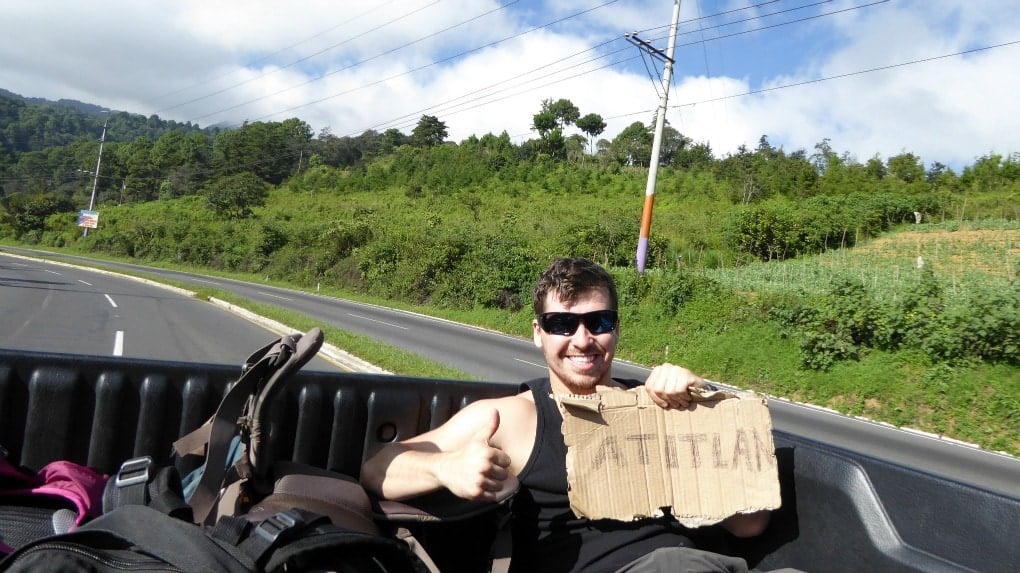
(936, 78)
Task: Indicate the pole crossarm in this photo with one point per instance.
(652, 50)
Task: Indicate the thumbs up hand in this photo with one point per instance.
(478, 470)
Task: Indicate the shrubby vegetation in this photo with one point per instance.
(462, 229)
(982, 324)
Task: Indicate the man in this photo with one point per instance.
(484, 449)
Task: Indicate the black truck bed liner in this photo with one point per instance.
(842, 510)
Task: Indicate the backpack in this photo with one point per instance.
(141, 538)
(245, 512)
(58, 498)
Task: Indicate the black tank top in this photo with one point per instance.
(547, 536)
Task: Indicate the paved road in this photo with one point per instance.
(494, 356)
(76, 310)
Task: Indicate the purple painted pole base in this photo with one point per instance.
(642, 253)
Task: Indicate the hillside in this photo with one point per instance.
(789, 273)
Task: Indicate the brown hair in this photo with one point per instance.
(570, 278)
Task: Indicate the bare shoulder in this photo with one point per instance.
(514, 411)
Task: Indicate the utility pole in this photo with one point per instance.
(660, 121)
(95, 178)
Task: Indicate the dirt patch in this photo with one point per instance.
(873, 405)
(993, 251)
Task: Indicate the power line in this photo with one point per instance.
(849, 74)
(269, 57)
(351, 66)
(610, 65)
(437, 62)
(291, 64)
(401, 120)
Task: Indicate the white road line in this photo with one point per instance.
(84, 283)
(379, 321)
(118, 343)
(51, 272)
(273, 295)
(531, 363)
(109, 298)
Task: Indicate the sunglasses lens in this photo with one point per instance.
(566, 323)
(561, 323)
(600, 322)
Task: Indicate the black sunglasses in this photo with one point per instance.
(565, 323)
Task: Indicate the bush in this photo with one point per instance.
(983, 324)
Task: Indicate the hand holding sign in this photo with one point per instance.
(669, 386)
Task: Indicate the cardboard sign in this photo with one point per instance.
(628, 458)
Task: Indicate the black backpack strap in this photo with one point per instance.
(258, 539)
(139, 482)
(327, 547)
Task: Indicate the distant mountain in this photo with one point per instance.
(86, 108)
(33, 124)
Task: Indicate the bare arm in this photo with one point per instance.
(459, 455)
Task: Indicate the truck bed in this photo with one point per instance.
(842, 510)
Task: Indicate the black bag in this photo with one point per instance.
(140, 538)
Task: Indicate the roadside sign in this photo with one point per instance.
(88, 219)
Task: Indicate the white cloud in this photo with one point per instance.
(362, 64)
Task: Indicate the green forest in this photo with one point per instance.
(880, 287)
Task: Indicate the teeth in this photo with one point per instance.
(584, 359)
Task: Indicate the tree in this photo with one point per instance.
(633, 146)
(824, 157)
(429, 132)
(565, 112)
(234, 196)
(27, 213)
(270, 150)
(139, 174)
(906, 167)
(543, 122)
(592, 125)
(554, 144)
(673, 144)
(392, 138)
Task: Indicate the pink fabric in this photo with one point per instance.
(81, 486)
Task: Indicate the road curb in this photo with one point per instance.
(341, 358)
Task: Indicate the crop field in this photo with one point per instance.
(959, 255)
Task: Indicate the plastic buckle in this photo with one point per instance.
(134, 471)
(272, 527)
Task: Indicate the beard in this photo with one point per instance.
(579, 377)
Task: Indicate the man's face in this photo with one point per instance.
(581, 361)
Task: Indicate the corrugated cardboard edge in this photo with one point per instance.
(592, 411)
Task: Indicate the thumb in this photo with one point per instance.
(489, 428)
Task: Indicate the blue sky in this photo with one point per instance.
(795, 71)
